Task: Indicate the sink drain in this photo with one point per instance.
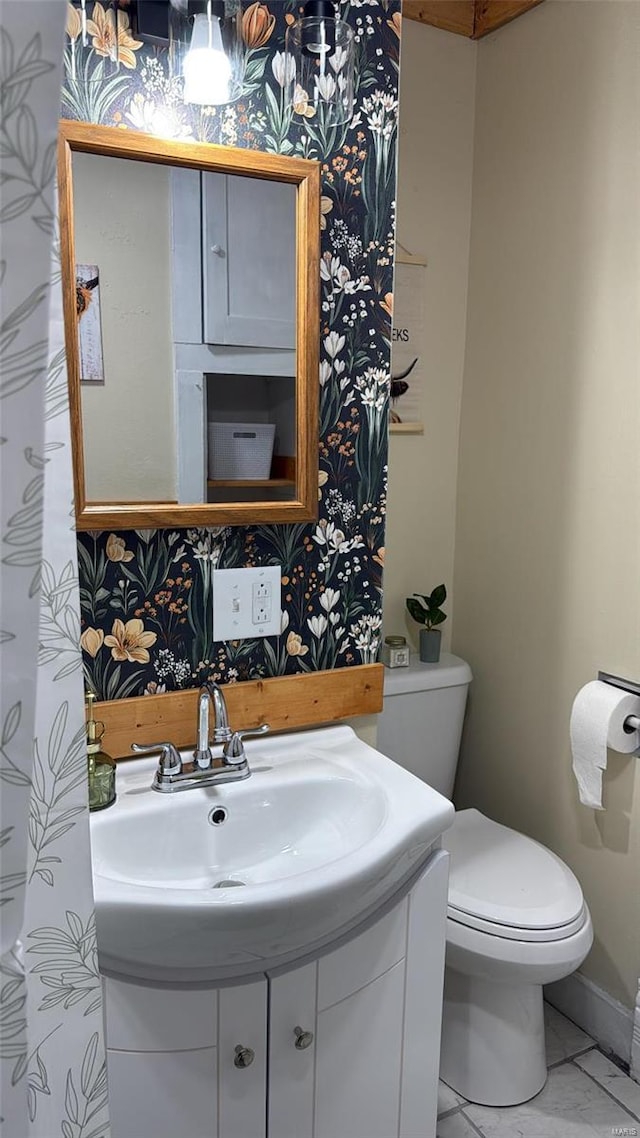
(218, 815)
(227, 883)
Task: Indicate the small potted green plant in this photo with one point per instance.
(427, 611)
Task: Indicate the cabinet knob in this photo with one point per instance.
(304, 1039)
(244, 1056)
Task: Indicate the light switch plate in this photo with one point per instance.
(246, 602)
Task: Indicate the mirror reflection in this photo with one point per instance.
(186, 317)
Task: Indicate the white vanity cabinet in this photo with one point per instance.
(350, 1040)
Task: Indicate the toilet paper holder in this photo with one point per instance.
(632, 722)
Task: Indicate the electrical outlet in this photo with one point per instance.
(246, 602)
(262, 598)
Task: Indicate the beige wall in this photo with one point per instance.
(547, 557)
(122, 224)
(434, 213)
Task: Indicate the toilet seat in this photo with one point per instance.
(507, 960)
(506, 885)
(511, 932)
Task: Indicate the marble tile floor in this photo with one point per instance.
(586, 1096)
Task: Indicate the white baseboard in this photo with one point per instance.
(606, 1020)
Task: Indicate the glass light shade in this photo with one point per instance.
(320, 56)
(206, 67)
(206, 50)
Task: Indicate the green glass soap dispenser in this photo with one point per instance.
(101, 767)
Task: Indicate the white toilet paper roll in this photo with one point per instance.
(597, 722)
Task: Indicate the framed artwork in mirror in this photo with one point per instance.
(89, 324)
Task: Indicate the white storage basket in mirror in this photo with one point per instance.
(240, 450)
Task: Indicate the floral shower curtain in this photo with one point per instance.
(52, 1063)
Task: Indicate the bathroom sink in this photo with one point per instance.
(222, 882)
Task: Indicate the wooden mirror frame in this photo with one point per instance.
(302, 173)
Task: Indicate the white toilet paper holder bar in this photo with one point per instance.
(632, 722)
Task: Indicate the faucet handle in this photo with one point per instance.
(170, 761)
(233, 751)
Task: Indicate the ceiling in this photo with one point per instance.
(472, 18)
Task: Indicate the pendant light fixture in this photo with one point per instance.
(205, 49)
(321, 48)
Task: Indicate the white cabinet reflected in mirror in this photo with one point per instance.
(190, 275)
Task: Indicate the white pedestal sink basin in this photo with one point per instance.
(223, 882)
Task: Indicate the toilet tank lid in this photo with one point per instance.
(449, 672)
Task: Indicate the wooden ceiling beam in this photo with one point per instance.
(451, 15)
(493, 14)
(471, 18)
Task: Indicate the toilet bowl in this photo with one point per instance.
(516, 920)
(516, 917)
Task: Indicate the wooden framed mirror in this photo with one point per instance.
(191, 283)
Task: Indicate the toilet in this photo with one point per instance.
(516, 916)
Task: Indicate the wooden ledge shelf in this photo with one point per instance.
(284, 702)
(248, 482)
(283, 474)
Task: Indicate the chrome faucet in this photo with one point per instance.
(206, 769)
(210, 693)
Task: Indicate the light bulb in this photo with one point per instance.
(318, 45)
(318, 27)
(206, 68)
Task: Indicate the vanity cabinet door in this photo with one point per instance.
(162, 1061)
(291, 1068)
(242, 1061)
(335, 1032)
(346, 1082)
(371, 1012)
(358, 1061)
(162, 1094)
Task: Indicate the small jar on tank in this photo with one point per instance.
(395, 652)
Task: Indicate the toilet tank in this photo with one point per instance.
(421, 721)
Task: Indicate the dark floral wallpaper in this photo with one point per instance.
(146, 595)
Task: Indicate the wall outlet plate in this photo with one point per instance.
(246, 602)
